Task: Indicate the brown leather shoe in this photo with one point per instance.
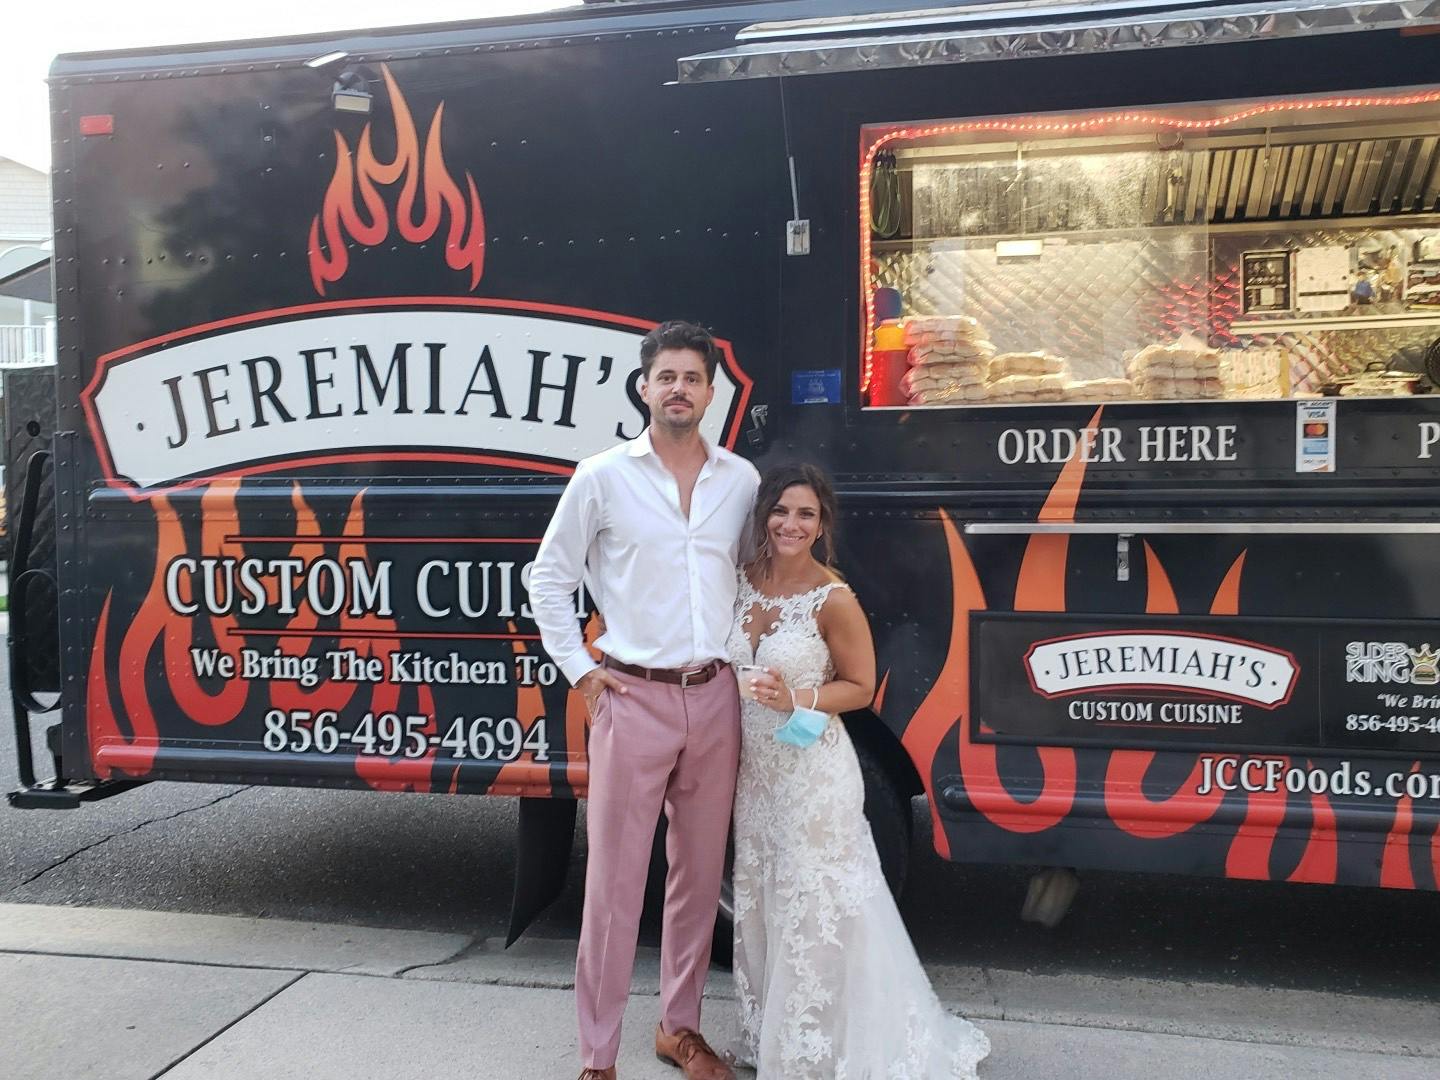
(688, 1050)
(598, 1074)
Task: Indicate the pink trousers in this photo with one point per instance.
(656, 747)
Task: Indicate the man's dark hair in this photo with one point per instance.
(678, 334)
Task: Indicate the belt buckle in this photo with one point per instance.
(685, 677)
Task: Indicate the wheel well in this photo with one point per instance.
(868, 730)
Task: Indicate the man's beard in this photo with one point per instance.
(679, 425)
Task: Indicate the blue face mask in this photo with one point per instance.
(804, 725)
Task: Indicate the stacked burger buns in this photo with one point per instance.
(1023, 377)
(953, 362)
(1170, 372)
(949, 360)
(1098, 390)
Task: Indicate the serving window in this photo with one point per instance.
(1217, 252)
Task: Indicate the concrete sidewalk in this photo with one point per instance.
(131, 995)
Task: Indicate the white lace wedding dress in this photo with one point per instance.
(829, 985)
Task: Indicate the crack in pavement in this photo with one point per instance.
(126, 832)
(472, 946)
(987, 983)
(251, 1011)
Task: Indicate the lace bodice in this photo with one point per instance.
(789, 642)
(789, 633)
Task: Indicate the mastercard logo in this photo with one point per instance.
(1316, 429)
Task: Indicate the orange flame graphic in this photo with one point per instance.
(949, 696)
(427, 179)
(101, 723)
(524, 775)
(328, 694)
(1249, 855)
(1156, 819)
(156, 622)
(1129, 807)
(398, 773)
(1321, 860)
(1395, 870)
(577, 718)
(1041, 587)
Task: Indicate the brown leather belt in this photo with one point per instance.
(689, 677)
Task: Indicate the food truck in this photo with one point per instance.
(1117, 325)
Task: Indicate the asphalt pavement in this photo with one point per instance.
(132, 995)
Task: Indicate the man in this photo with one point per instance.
(653, 528)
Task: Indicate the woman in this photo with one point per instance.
(829, 984)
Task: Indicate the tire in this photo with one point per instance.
(1049, 896)
(722, 943)
(888, 812)
(29, 423)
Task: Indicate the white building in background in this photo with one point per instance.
(27, 321)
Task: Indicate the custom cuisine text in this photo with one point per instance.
(440, 588)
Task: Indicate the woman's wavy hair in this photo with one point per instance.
(773, 484)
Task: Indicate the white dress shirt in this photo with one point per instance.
(664, 584)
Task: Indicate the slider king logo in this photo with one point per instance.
(511, 383)
(1391, 662)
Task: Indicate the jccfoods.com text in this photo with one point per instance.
(1269, 775)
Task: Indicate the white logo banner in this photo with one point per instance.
(1194, 663)
(510, 389)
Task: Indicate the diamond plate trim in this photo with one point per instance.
(1192, 26)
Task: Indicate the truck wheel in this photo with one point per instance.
(722, 943)
(888, 812)
(53, 742)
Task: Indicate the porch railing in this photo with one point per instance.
(26, 346)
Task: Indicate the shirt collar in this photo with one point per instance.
(641, 445)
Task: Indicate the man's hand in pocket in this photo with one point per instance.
(593, 684)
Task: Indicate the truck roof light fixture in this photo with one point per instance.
(351, 93)
(326, 59)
